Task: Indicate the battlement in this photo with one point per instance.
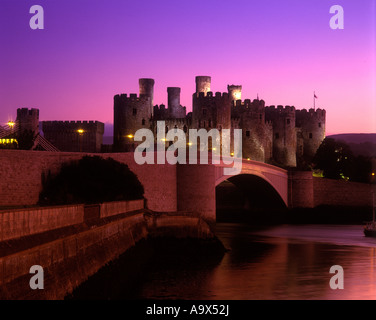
(311, 113)
(22, 112)
(209, 95)
(123, 98)
(178, 121)
(73, 126)
(280, 110)
(248, 104)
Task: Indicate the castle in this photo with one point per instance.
(280, 135)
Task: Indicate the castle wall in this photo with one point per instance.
(210, 111)
(67, 135)
(21, 177)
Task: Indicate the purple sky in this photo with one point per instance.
(282, 50)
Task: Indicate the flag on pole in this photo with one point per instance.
(314, 95)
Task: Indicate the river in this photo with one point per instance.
(279, 262)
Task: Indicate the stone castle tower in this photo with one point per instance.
(28, 119)
(273, 135)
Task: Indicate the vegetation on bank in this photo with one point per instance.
(335, 160)
(89, 180)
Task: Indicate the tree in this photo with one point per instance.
(334, 158)
(337, 161)
(91, 180)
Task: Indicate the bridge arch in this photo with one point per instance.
(276, 177)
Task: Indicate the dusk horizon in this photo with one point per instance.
(281, 52)
(183, 155)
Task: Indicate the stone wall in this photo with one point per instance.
(341, 193)
(71, 259)
(306, 191)
(21, 177)
(24, 222)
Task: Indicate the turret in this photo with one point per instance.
(175, 110)
(203, 84)
(147, 89)
(235, 92)
(28, 119)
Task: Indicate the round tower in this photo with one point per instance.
(147, 88)
(173, 101)
(235, 92)
(312, 126)
(203, 84)
(284, 134)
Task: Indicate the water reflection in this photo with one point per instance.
(283, 262)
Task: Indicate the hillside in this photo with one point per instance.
(360, 143)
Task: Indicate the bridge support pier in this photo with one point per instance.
(196, 190)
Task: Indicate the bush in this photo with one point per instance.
(91, 180)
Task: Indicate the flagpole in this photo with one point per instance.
(314, 101)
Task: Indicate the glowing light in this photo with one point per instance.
(189, 143)
(80, 131)
(248, 159)
(214, 149)
(7, 141)
(11, 124)
(373, 173)
(163, 139)
(237, 95)
(232, 153)
(130, 136)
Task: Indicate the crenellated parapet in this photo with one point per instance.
(74, 136)
(73, 126)
(303, 116)
(123, 98)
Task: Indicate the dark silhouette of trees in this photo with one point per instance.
(337, 161)
(91, 180)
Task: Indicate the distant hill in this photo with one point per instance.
(360, 143)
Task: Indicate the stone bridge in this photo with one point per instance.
(168, 188)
